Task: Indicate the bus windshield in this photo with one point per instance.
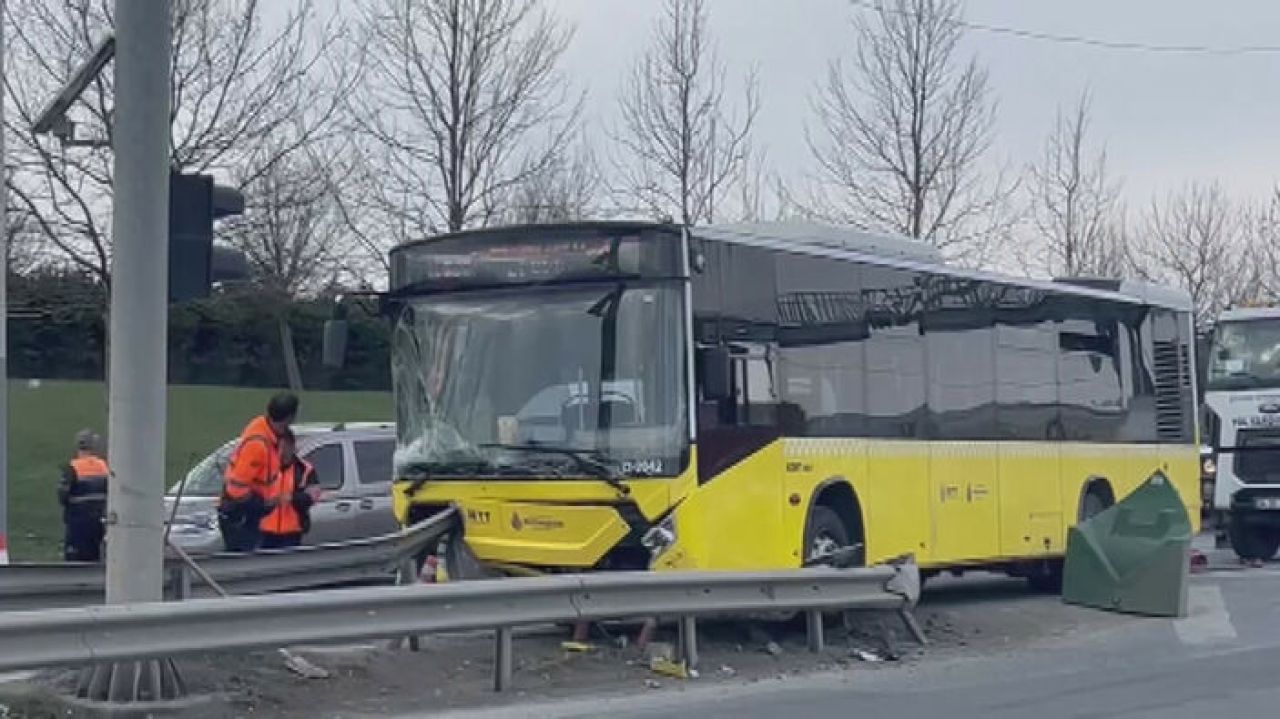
(1245, 355)
(520, 382)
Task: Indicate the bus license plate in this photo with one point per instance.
(1266, 503)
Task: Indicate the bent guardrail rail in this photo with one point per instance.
(42, 586)
(87, 635)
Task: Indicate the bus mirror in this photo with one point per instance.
(335, 343)
(714, 373)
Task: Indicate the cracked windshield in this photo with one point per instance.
(558, 382)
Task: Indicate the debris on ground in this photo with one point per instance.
(864, 655)
(652, 684)
(303, 668)
(773, 649)
(577, 647)
(668, 668)
(1199, 561)
(728, 671)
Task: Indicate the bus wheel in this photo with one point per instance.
(1252, 542)
(825, 533)
(1045, 576)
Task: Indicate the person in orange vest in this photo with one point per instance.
(254, 466)
(82, 492)
(287, 501)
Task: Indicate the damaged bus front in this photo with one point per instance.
(541, 381)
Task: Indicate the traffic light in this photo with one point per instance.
(194, 203)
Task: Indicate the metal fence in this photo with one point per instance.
(42, 586)
(88, 635)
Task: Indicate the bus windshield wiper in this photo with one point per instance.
(588, 460)
(421, 472)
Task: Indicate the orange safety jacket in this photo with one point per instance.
(89, 481)
(254, 464)
(284, 517)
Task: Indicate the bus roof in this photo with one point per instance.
(903, 253)
(862, 246)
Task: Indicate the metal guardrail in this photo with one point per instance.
(87, 635)
(43, 586)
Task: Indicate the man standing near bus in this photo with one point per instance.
(254, 467)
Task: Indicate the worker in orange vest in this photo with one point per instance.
(82, 492)
(287, 501)
(254, 466)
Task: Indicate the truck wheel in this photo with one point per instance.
(1253, 542)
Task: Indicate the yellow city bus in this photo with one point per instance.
(636, 395)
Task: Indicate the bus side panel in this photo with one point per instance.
(811, 464)
(734, 521)
(1123, 466)
(896, 508)
(1031, 521)
(964, 501)
(1183, 469)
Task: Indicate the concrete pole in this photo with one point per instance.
(4, 312)
(139, 303)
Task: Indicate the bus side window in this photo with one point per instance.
(755, 389)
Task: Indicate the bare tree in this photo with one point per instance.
(463, 101)
(563, 189)
(237, 80)
(1197, 240)
(681, 151)
(1262, 236)
(291, 230)
(904, 129)
(1075, 205)
(26, 248)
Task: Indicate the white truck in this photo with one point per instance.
(1241, 429)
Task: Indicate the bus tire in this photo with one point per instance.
(824, 532)
(1253, 542)
(1045, 576)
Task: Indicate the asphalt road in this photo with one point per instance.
(1221, 660)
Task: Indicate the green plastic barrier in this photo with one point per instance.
(1132, 557)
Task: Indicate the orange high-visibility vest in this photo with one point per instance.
(255, 463)
(284, 517)
(91, 480)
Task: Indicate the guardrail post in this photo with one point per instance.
(502, 659)
(406, 575)
(689, 641)
(913, 627)
(813, 623)
(179, 583)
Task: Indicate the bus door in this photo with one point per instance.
(963, 474)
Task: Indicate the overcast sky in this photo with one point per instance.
(1165, 118)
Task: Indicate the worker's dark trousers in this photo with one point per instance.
(281, 541)
(82, 541)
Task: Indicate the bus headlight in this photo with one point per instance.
(658, 539)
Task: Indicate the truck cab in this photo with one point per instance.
(1242, 429)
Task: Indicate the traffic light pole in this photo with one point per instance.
(139, 303)
(4, 317)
